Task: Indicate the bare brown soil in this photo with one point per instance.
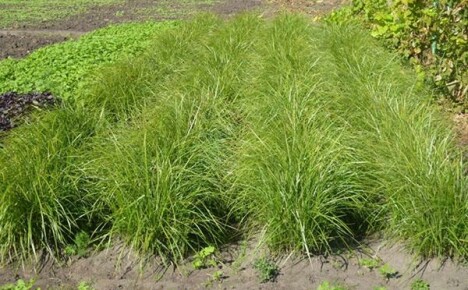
(119, 268)
(312, 7)
(20, 41)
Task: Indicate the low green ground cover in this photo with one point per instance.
(19, 12)
(311, 135)
(62, 68)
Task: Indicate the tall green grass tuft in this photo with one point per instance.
(293, 168)
(43, 204)
(160, 167)
(404, 148)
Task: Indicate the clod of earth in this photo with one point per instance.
(14, 107)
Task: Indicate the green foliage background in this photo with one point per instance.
(431, 34)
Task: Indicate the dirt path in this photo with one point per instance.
(118, 268)
(20, 41)
(41, 32)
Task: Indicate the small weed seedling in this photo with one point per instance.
(325, 285)
(81, 245)
(85, 286)
(267, 270)
(205, 258)
(369, 263)
(388, 272)
(217, 276)
(241, 258)
(420, 285)
(20, 285)
(380, 288)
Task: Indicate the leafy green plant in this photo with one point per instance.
(267, 270)
(205, 258)
(19, 285)
(420, 284)
(81, 244)
(217, 275)
(388, 272)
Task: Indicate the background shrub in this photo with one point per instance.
(433, 35)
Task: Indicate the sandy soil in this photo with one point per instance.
(118, 268)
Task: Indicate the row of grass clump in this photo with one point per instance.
(311, 135)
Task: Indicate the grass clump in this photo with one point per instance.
(312, 135)
(160, 167)
(43, 201)
(292, 171)
(404, 149)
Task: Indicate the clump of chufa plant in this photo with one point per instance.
(267, 270)
(311, 133)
